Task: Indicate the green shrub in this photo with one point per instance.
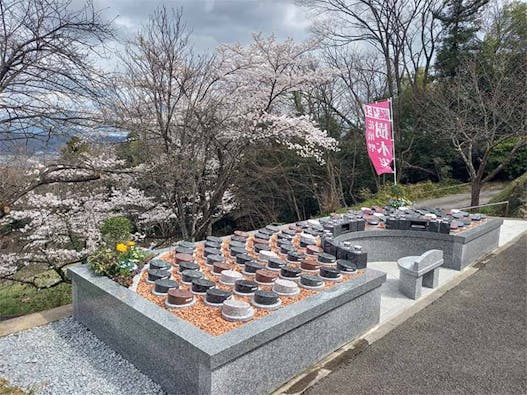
(397, 190)
(513, 169)
(104, 262)
(116, 230)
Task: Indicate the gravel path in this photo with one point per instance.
(459, 200)
(64, 357)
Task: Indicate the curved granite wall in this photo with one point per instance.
(459, 250)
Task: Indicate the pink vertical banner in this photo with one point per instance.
(379, 136)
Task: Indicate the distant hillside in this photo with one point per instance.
(51, 146)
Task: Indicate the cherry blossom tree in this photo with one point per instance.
(56, 224)
(191, 122)
(195, 117)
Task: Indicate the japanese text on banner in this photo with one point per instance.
(379, 136)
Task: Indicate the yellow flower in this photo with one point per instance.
(130, 243)
(121, 247)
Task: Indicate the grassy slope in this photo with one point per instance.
(412, 192)
(18, 299)
(515, 193)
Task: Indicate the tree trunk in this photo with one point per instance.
(476, 189)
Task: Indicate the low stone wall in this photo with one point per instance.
(459, 250)
(254, 358)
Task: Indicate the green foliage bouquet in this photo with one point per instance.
(397, 199)
(118, 258)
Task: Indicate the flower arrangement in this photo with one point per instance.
(118, 257)
(121, 263)
(397, 199)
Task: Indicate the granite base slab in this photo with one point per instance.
(459, 250)
(254, 358)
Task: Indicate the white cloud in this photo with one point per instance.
(215, 21)
(296, 17)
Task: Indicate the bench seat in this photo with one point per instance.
(417, 272)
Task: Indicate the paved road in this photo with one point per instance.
(473, 340)
(459, 200)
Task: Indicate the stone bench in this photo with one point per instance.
(417, 272)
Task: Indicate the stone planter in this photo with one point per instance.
(185, 360)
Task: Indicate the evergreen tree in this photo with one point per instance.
(460, 23)
(481, 108)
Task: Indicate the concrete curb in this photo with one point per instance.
(315, 373)
(30, 321)
(383, 329)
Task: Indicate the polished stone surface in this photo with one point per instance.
(459, 250)
(265, 368)
(190, 361)
(419, 265)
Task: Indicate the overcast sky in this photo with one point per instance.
(216, 21)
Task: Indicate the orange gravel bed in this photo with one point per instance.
(209, 318)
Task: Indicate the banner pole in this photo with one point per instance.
(393, 144)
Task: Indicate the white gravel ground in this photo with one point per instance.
(64, 357)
